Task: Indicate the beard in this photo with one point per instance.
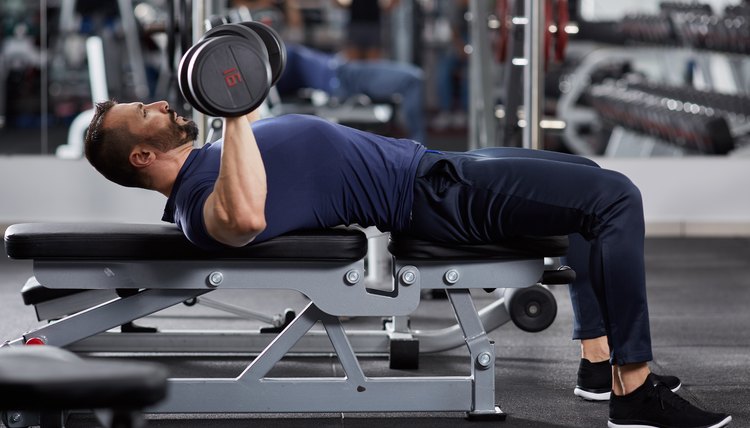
(177, 135)
(189, 129)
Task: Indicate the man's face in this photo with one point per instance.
(154, 122)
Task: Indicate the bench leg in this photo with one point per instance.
(255, 391)
(482, 354)
(109, 315)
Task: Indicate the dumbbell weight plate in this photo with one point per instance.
(274, 46)
(228, 76)
(256, 42)
(183, 69)
(182, 74)
(268, 39)
(231, 29)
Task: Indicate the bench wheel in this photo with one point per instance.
(531, 309)
(403, 354)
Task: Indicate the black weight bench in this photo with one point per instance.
(154, 267)
(40, 384)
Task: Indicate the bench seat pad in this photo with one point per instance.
(125, 241)
(408, 247)
(50, 378)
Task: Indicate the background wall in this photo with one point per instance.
(44, 188)
(700, 196)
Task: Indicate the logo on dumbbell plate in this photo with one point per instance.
(232, 77)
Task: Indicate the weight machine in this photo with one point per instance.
(525, 34)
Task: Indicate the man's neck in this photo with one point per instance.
(172, 163)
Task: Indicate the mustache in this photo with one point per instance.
(172, 115)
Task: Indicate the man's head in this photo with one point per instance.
(123, 139)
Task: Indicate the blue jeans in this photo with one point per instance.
(381, 80)
(488, 194)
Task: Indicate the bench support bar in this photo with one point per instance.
(254, 391)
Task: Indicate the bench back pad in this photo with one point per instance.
(123, 241)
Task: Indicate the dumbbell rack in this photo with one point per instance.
(681, 33)
(697, 124)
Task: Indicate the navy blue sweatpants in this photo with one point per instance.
(489, 194)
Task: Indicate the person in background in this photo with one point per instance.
(380, 80)
(284, 16)
(364, 35)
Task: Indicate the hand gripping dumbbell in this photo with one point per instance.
(231, 69)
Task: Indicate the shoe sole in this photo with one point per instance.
(611, 424)
(602, 396)
(591, 396)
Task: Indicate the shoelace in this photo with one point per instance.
(665, 395)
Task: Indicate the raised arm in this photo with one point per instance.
(234, 213)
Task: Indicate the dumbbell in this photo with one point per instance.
(231, 69)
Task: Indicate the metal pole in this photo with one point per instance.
(198, 16)
(133, 47)
(533, 88)
(481, 87)
(44, 76)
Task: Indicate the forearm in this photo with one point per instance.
(234, 211)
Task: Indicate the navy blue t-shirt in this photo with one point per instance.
(318, 174)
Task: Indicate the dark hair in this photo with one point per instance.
(108, 149)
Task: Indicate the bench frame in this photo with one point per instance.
(335, 288)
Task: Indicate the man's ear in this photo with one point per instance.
(142, 156)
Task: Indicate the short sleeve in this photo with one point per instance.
(189, 215)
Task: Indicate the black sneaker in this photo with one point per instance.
(595, 381)
(653, 405)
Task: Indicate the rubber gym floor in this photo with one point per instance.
(699, 294)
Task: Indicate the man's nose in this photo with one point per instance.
(161, 106)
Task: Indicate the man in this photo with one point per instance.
(296, 172)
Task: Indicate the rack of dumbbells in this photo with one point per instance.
(696, 122)
(656, 118)
(701, 29)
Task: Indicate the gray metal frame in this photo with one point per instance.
(253, 391)
(252, 341)
(365, 342)
(335, 288)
